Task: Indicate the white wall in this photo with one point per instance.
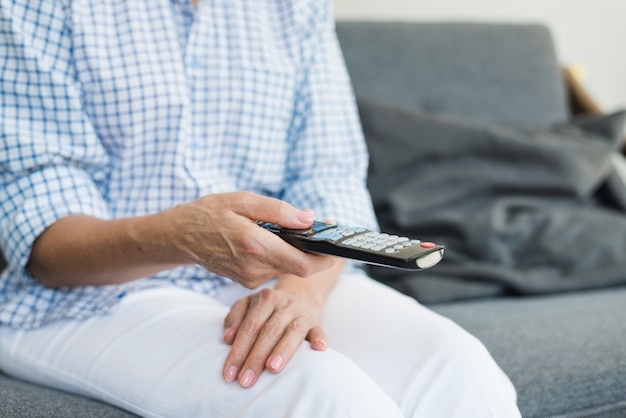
(590, 34)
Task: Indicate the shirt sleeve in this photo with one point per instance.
(52, 163)
(327, 165)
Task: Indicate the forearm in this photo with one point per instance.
(80, 251)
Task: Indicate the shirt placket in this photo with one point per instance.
(192, 64)
(186, 18)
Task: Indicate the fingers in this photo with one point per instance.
(234, 318)
(286, 347)
(261, 208)
(318, 339)
(280, 352)
(287, 259)
(268, 337)
(265, 255)
(219, 232)
(260, 309)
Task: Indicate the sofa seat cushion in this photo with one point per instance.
(565, 354)
(26, 400)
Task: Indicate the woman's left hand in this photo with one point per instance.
(265, 329)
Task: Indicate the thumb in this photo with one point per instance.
(276, 211)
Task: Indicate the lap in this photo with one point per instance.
(160, 353)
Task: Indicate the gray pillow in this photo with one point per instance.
(515, 208)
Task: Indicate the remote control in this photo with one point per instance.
(361, 244)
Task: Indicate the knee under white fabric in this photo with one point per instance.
(160, 354)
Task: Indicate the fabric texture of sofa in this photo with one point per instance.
(563, 351)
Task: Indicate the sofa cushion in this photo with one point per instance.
(565, 354)
(26, 400)
(503, 73)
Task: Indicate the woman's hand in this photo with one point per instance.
(219, 232)
(265, 330)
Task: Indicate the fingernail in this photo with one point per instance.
(306, 216)
(247, 379)
(231, 374)
(319, 345)
(276, 362)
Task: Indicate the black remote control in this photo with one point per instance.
(361, 244)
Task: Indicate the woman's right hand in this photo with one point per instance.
(219, 232)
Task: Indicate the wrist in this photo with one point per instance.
(313, 290)
(159, 235)
(313, 298)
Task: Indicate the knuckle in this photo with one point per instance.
(242, 197)
(290, 305)
(302, 268)
(255, 361)
(266, 295)
(249, 328)
(281, 208)
(248, 273)
(252, 284)
(297, 326)
(273, 330)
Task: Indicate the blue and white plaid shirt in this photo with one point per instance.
(122, 108)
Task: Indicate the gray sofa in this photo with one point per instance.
(565, 353)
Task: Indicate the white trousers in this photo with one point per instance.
(160, 354)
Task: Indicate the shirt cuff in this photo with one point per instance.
(34, 202)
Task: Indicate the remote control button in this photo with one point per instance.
(329, 236)
(378, 247)
(428, 245)
(390, 251)
(415, 241)
(320, 226)
(398, 246)
(403, 239)
(347, 233)
(407, 243)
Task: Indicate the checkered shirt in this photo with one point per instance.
(123, 108)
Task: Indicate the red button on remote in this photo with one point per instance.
(427, 244)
